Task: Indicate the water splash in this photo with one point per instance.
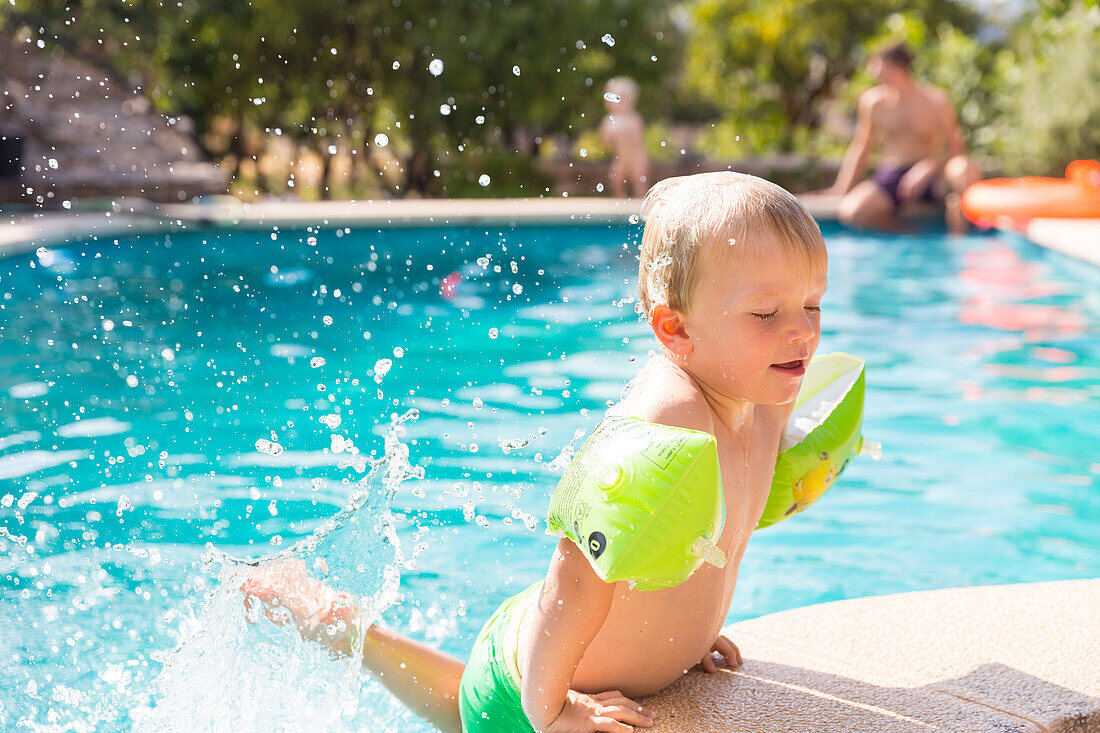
(238, 668)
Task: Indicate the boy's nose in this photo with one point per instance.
(803, 330)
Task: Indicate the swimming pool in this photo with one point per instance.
(137, 377)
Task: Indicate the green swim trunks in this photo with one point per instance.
(488, 697)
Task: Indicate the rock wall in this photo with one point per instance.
(86, 134)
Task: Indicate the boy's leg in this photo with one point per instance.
(426, 680)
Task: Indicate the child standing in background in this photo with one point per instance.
(623, 131)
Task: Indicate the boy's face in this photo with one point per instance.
(755, 322)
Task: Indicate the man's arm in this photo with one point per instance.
(855, 158)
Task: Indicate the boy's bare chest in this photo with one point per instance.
(746, 481)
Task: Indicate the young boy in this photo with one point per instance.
(623, 131)
(731, 275)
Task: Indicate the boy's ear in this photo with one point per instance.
(669, 327)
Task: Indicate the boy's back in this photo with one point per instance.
(731, 281)
(651, 638)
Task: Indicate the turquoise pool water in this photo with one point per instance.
(137, 377)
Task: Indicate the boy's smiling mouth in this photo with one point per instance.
(794, 368)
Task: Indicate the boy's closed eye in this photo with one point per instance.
(769, 316)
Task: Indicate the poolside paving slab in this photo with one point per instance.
(993, 658)
(1079, 238)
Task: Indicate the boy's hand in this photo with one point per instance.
(729, 652)
(608, 712)
(288, 592)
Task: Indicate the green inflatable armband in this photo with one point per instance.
(643, 501)
(822, 436)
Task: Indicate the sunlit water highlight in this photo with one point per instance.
(137, 380)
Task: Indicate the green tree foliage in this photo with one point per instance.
(346, 70)
(1048, 103)
(768, 65)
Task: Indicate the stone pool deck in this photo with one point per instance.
(1078, 238)
(1016, 658)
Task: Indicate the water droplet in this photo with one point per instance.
(663, 261)
(481, 521)
(398, 352)
(381, 369)
(514, 266)
(7, 500)
(122, 505)
(272, 508)
(652, 58)
(612, 97)
(517, 288)
(317, 484)
(435, 67)
(483, 261)
(332, 150)
(732, 241)
(331, 421)
(131, 381)
(396, 65)
(480, 119)
(634, 219)
(511, 444)
(269, 447)
(493, 333)
(608, 39)
(52, 163)
(444, 109)
(317, 361)
(515, 70)
(484, 179)
(468, 511)
(327, 320)
(381, 140)
(737, 138)
(311, 241)
(478, 403)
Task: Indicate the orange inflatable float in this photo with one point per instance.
(1016, 201)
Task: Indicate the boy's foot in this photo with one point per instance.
(288, 592)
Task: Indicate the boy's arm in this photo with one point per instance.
(572, 606)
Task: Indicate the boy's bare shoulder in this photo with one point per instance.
(666, 396)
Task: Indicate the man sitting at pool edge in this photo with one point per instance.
(923, 154)
(731, 275)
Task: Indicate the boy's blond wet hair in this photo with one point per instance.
(688, 214)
